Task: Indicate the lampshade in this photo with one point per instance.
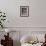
(7, 30)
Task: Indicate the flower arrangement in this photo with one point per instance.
(2, 19)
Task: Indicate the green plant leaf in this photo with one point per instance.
(4, 16)
(0, 12)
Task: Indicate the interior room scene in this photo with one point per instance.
(22, 23)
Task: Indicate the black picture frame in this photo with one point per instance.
(24, 11)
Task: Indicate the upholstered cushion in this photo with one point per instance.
(26, 39)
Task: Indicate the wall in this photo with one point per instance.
(37, 13)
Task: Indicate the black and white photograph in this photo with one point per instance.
(24, 11)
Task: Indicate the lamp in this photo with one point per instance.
(7, 31)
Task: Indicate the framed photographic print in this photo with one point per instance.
(24, 11)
